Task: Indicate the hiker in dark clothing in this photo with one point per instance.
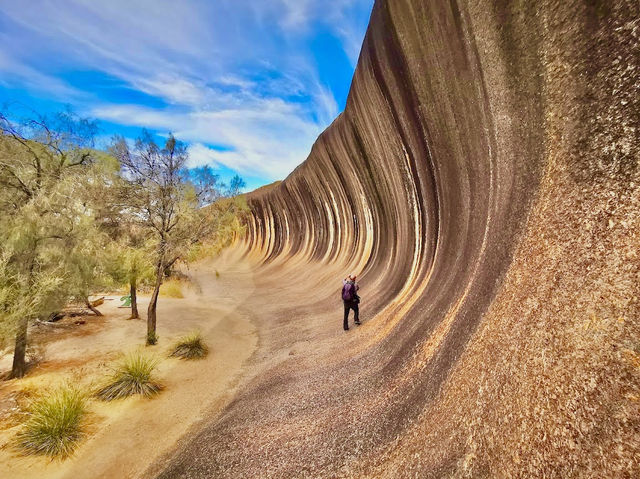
(351, 299)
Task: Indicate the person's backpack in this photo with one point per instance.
(348, 291)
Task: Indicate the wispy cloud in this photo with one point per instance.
(236, 73)
(268, 137)
(296, 13)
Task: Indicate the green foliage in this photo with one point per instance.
(226, 220)
(177, 206)
(18, 298)
(188, 211)
(75, 220)
(87, 262)
(171, 289)
(129, 260)
(134, 375)
(54, 424)
(47, 235)
(190, 347)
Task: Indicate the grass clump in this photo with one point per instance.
(134, 375)
(190, 347)
(171, 289)
(54, 423)
(152, 338)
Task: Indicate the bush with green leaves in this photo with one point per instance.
(49, 240)
(55, 423)
(190, 347)
(134, 375)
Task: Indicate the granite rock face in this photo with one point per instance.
(483, 181)
(465, 120)
(423, 183)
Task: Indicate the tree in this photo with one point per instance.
(235, 185)
(42, 165)
(127, 250)
(86, 263)
(139, 269)
(131, 263)
(167, 198)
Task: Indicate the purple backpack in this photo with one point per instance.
(348, 291)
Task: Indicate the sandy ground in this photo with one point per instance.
(126, 436)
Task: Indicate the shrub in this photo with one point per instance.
(190, 347)
(134, 375)
(171, 289)
(152, 338)
(54, 423)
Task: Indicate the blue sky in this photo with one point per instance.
(249, 84)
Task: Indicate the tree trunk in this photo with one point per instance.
(134, 300)
(19, 367)
(19, 364)
(151, 310)
(93, 310)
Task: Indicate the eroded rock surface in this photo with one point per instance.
(484, 182)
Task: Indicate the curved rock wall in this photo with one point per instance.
(422, 183)
(483, 182)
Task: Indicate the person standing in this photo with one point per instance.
(351, 299)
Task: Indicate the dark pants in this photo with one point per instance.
(347, 306)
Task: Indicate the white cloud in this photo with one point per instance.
(269, 139)
(134, 115)
(350, 33)
(351, 42)
(173, 89)
(327, 107)
(296, 13)
(226, 75)
(236, 81)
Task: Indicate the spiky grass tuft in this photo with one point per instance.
(134, 375)
(190, 347)
(54, 424)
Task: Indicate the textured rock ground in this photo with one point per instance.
(484, 182)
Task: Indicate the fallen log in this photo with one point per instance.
(97, 302)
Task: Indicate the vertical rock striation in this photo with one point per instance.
(483, 180)
(463, 120)
(423, 182)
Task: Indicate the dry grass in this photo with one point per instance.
(14, 407)
(54, 424)
(172, 288)
(190, 347)
(134, 375)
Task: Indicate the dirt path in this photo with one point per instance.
(127, 436)
(298, 393)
